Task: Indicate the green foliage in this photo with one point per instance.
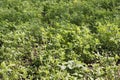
(59, 39)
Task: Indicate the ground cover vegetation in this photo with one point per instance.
(59, 39)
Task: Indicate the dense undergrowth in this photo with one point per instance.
(59, 39)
